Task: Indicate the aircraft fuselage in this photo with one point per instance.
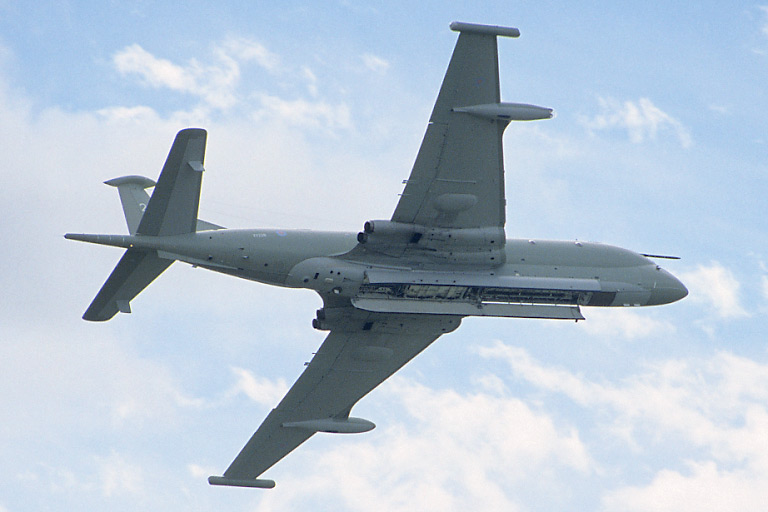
(542, 272)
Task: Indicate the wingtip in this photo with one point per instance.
(492, 30)
(234, 482)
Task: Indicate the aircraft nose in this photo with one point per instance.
(667, 289)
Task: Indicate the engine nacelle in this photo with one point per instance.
(389, 228)
(392, 232)
(470, 246)
(415, 233)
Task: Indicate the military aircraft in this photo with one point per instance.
(392, 289)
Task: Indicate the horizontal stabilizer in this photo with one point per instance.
(133, 197)
(135, 271)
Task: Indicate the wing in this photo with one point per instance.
(361, 351)
(457, 179)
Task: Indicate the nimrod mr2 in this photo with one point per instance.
(395, 287)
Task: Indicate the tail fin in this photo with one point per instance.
(133, 197)
(172, 210)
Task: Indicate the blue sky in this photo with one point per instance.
(315, 113)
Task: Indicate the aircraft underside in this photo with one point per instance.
(394, 288)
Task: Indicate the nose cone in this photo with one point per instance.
(667, 288)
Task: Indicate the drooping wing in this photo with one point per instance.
(361, 351)
(457, 179)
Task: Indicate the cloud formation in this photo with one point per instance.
(259, 389)
(625, 323)
(215, 83)
(712, 413)
(717, 288)
(641, 119)
(375, 63)
(441, 449)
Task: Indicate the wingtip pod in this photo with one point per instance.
(508, 111)
(333, 425)
(492, 30)
(234, 482)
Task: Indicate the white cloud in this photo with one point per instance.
(259, 389)
(248, 50)
(443, 450)
(624, 323)
(317, 114)
(118, 476)
(717, 287)
(216, 83)
(95, 384)
(375, 63)
(456, 418)
(704, 487)
(201, 473)
(140, 114)
(155, 72)
(715, 409)
(641, 119)
(311, 78)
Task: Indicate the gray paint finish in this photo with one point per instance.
(395, 287)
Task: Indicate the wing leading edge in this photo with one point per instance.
(362, 350)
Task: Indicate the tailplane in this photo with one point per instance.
(134, 272)
(171, 210)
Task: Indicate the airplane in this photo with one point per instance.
(392, 289)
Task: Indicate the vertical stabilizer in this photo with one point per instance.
(172, 210)
(133, 197)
